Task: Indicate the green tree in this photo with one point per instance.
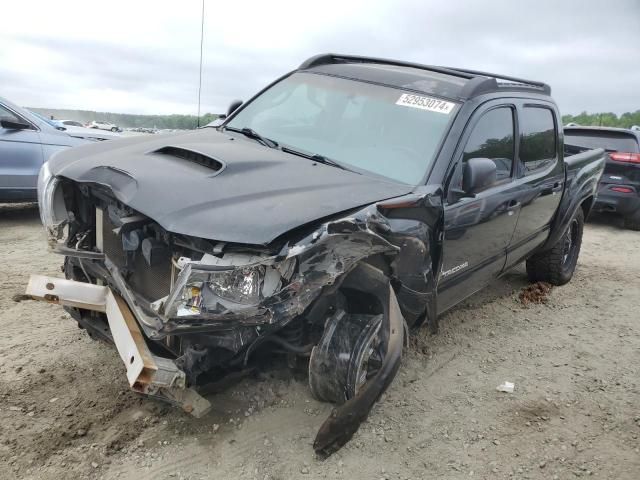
(604, 119)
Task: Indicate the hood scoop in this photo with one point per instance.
(192, 156)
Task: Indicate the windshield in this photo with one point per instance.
(368, 127)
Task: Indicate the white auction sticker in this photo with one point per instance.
(425, 103)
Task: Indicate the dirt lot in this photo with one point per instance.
(66, 412)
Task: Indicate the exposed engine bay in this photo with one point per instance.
(336, 296)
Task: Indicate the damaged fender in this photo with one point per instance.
(345, 420)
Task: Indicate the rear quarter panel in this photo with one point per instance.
(583, 172)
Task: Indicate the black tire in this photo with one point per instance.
(114, 129)
(556, 266)
(632, 222)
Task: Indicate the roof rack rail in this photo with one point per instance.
(479, 82)
(330, 58)
(522, 81)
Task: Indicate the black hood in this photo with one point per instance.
(218, 186)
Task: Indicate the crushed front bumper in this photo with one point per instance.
(147, 373)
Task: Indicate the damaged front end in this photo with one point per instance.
(186, 313)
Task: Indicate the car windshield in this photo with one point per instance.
(364, 126)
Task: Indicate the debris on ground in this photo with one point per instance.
(535, 293)
(506, 387)
(20, 297)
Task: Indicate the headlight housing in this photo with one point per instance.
(53, 212)
(207, 289)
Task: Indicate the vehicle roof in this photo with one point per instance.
(456, 83)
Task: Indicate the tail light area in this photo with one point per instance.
(622, 189)
(623, 157)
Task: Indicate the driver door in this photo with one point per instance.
(479, 227)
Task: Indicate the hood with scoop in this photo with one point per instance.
(221, 186)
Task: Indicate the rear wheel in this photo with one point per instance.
(556, 266)
(114, 129)
(632, 222)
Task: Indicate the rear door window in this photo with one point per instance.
(537, 139)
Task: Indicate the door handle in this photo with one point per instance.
(555, 188)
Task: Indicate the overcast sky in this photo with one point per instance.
(142, 56)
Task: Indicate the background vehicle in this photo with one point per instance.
(26, 142)
(348, 199)
(103, 126)
(79, 132)
(71, 123)
(619, 189)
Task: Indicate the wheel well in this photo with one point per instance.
(586, 205)
(360, 302)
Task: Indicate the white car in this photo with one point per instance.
(103, 126)
(68, 126)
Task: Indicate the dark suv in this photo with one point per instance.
(619, 188)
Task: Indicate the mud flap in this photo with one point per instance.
(345, 419)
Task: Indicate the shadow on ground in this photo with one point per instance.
(606, 219)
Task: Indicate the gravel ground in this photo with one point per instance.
(66, 411)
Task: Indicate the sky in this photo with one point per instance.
(143, 56)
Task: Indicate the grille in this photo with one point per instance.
(152, 282)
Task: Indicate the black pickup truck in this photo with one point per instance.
(349, 202)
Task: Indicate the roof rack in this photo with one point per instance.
(521, 81)
(479, 82)
(331, 58)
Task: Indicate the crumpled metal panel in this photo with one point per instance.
(322, 257)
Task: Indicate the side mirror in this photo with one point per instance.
(479, 174)
(12, 125)
(233, 107)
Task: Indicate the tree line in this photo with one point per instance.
(607, 119)
(127, 120)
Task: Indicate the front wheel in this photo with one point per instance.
(114, 129)
(556, 266)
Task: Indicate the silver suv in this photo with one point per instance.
(26, 142)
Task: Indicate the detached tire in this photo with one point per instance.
(556, 266)
(632, 222)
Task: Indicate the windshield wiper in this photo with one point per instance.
(251, 133)
(316, 158)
